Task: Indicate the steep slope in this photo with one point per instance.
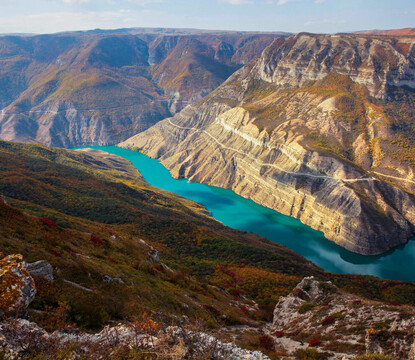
(101, 88)
(89, 212)
(122, 250)
(318, 128)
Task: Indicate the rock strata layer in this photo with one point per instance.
(343, 324)
(305, 130)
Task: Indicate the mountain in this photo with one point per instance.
(102, 87)
(127, 254)
(396, 32)
(319, 127)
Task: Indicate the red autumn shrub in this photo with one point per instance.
(53, 252)
(244, 309)
(328, 320)
(96, 240)
(48, 222)
(235, 292)
(212, 309)
(314, 342)
(280, 334)
(266, 342)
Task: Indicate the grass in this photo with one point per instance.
(213, 265)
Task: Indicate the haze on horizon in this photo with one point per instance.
(325, 16)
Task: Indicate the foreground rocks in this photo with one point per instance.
(17, 287)
(318, 314)
(41, 269)
(20, 337)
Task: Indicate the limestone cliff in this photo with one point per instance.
(317, 128)
(100, 88)
(319, 314)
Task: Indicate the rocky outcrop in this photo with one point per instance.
(17, 288)
(376, 63)
(20, 337)
(324, 152)
(317, 310)
(411, 355)
(41, 269)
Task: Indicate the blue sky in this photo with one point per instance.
(327, 16)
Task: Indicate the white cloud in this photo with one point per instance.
(75, 2)
(49, 22)
(144, 2)
(318, 1)
(283, 2)
(324, 21)
(238, 2)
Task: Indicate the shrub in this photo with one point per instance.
(306, 307)
(374, 357)
(212, 309)
(266, 342)
(96, 240)
(235, 292)
(314, 342)
(48, 222)
(311, 354)
(328, 320)
(279, 334)
(300, 293)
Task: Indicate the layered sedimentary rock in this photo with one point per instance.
(317, 312)
(100, 88)
(307, 130)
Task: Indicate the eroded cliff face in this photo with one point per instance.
(375, 62)
(101, 88)
(325, 152)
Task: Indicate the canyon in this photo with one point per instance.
(101, 87)
(318, 128)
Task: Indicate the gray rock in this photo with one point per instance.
(372, 343)
(41, 269)
(4, 199)
(108, 279)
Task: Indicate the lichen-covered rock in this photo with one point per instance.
(41, 269)
(349, 325)
(17, 287)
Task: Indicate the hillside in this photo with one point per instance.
(102, 87)
(319, 127)
(122, 250)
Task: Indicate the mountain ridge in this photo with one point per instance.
(307, 130)
(75, 88)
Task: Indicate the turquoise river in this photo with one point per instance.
(240, 213)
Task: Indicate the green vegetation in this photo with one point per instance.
(87, 218)
(306, 307)
(374, 357)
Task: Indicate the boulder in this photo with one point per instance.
(41, 269)
(17, 287)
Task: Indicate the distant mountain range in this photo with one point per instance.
(396, 32)
(102, 86)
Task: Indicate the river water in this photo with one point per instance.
(240, 213)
